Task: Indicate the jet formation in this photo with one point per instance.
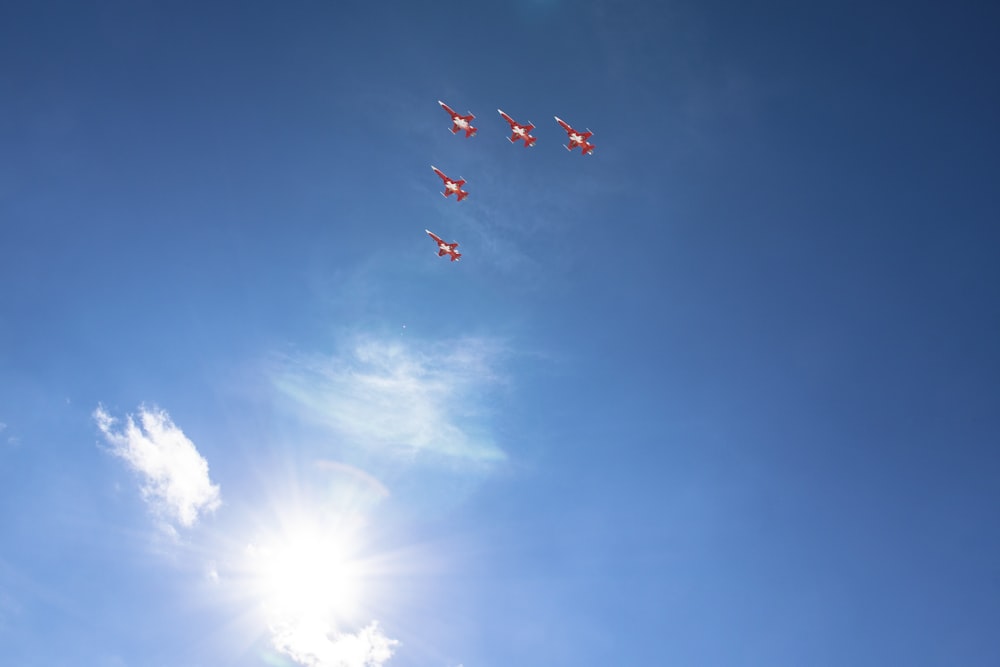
(445, 248)
(519, 132)
(451, 187)
(576, 138)
(459, 123)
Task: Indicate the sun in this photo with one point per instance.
(308, 570)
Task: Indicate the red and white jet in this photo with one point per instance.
(459, 122)
(519, 131)
(576, 138)
(451, 186)
(445, 248)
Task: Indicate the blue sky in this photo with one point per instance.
(725, 392)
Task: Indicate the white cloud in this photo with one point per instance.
(176, 482)
(401, 398)
(311, 642)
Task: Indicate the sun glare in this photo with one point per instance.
(308, 572)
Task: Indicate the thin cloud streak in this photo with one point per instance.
(175, 476)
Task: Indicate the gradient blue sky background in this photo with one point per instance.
(726, 392)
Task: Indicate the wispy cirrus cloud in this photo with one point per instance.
(399, 398)
(175, 475)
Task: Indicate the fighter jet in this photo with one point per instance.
(519, 131)
(445, 248)
(451, 186)
(576, 138)
(459, 122)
